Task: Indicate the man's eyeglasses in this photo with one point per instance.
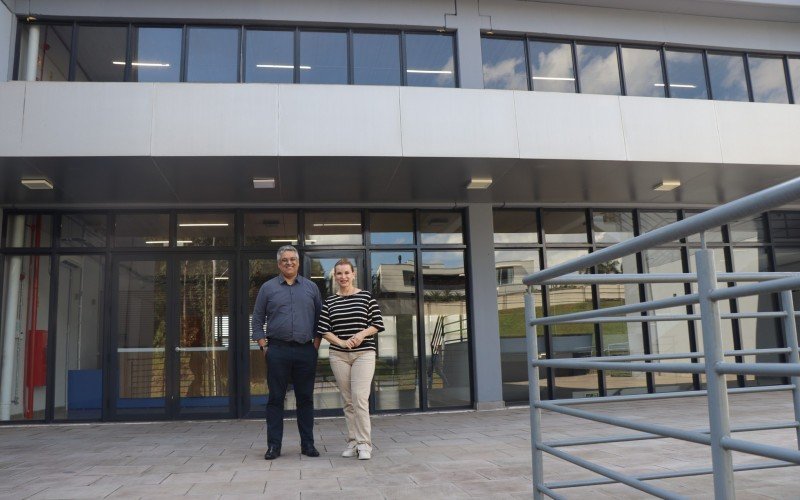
(289, 260)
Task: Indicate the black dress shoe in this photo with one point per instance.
(310, 451)
(272, 453)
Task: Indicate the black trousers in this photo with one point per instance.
(298, 363)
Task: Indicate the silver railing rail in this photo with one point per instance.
(711, 362)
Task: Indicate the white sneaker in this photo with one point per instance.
(364, 453)
(350, 451)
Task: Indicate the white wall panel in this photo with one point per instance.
(215, 120)
(458, 123)
(673, 130)
(569, 126)
(7, 42)
(759, 133)
(339, 120)
(87, 119)
(12, 102)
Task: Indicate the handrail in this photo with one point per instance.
(755, 203)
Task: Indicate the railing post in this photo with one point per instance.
(534, 395)
(718, 410)
(790, 336)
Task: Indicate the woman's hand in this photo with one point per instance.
(355, 341)
(344, 344)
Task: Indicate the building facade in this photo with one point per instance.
(155, 154)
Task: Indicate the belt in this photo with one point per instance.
(286, 343)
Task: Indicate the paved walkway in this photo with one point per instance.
(445, 455)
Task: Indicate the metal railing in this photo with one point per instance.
(711, 362)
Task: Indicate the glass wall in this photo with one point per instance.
(504, 64)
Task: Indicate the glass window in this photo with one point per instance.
(643, 74)
(26, 298)
(213, 55)
(270, 229)
(728, 82)
(269, 57)
(259, 271)
(156, 54)
(101, 53)
(687, 76)
(323, 57)
(55, 47)
(649, 221)
(333, 228)
(752, 230)
(376, 59)
(141, 230)
(79, 350)
(713, 235)
(446, 326)
(29, 231)
(564, 226)
(785, 226)
(205, 229)
(794, 74)
(612, 227)
(552, 69)
(768, 79)
(441, 227)
(391, 228)
(598, 69)
(83, 230)
(429, 60)
(504, 64)
(515, 226)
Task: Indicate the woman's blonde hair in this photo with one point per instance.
(345, 262)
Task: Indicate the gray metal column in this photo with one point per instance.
(534, 393)
(467, 21)
(790, 336)
(487, 375)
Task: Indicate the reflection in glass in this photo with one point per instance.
(687, 77)
(504, 64)
(270, 229)
(794, 74)
(713, 235)
(333, 228)
(571, 340)
(650, 221)
(598, 69)
(726, 73)
(25, 311)
(564, 226)
(323, 57)
(511, 266)
(441, 227)
(79, 379)
(29, 231)
(376, 59)
(156, 54)
(204, 338)
(83, 230)
(101, 56)
(515, 226)
(446, 326)
(141, 330)
(269, 57)
(391, 228)
(751, 230)
(205, 230)
(784, 226)
(140, 230)
(55, 47)
(429, 60)
(768, 79)
(397, 367)
(213, 55)
(259, 272)
(612, 227)
(643, 75)
(552, 69)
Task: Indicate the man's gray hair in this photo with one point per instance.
(287, 248)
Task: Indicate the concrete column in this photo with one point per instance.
(10, 327)
(32, 55)
(487, 372)
(467, 21)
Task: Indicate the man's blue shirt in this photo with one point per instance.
(290, 311)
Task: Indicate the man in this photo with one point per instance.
(290, 304)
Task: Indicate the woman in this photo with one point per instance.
(349, 321)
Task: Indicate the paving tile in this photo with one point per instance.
(150, 490)
(227, 488)
(195, 477)
(74, 492)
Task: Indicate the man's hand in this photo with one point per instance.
(317, 342)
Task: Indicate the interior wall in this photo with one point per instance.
(8, 27)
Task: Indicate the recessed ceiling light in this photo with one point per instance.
(264, 182)
(38, 183)
(203, 224)
(479, 183)
(667, 185)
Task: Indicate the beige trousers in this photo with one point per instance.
(353, 372)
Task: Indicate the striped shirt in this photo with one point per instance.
(346, 315)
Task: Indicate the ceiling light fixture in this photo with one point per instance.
(667, 185)
(280, 66)
(264, 182)
(37, 183)
(556, 78)
(204, 224)
(479, 183)
(336, 224)
(221, 278)
(284, 241)
(677, 85)
(430, 71)
(145, 64)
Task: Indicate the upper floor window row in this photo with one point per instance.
(224, 54)
(619, 69)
